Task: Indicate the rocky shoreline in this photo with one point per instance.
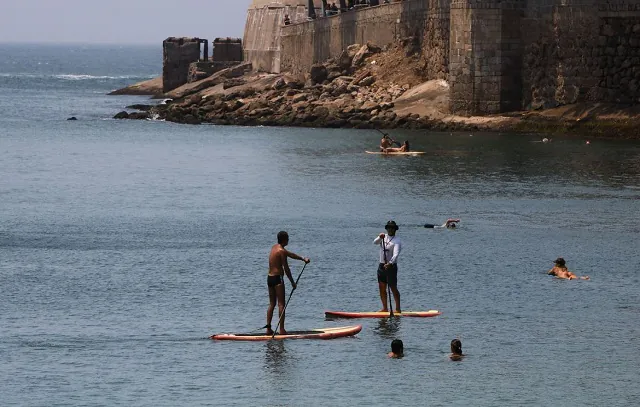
(358, 90)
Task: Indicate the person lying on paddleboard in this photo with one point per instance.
(397, 349)
(278, 267)
(456, 350)
(560, 270)
(449, 224)
(404, 148)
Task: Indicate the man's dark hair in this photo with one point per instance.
(397, 346)
(456, 347)
(282, 236)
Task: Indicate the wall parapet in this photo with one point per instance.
(307, 43)
(498, 55)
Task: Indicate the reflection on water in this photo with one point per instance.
(275, 357)
(388, 327)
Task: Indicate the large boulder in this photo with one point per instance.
(345, 59)
(279, 84)
(367, 81)
(352, 50)
(365, 51)
(318, 73)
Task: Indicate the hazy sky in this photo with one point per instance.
(119, 21)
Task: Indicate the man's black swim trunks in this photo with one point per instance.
(273, 281)
(388, 276)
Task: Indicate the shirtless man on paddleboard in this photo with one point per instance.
(278, 267)
(385, 142)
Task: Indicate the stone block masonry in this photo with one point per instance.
(498, 55)
(177, 55)
(485, 56)
(262, 31)
(582, 51)
(306, 43)
(227, 50)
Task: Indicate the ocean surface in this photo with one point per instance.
(125, 244)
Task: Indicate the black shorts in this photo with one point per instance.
(273, 281)
(388, 276)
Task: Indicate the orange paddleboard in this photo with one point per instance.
(376, 314)
(321, 333)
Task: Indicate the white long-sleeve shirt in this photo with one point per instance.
(393, 246)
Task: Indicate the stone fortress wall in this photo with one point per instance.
(498, 55)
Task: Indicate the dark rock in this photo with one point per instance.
(321, 111)
(190, 119)
(368, 81)
(344, 60)
(264, 111)
(318, 73)
(121, 115)
(279, 84)
(234, 105)
(299, 98)
(72, 118)
(139, 115)
(142, 107)
(295, 84)
(231, 83)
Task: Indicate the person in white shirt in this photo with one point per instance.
(390, 247)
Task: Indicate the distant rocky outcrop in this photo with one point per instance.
(151, 87)
(364, 87)
(342, 92)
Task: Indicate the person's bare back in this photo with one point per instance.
(277, 260)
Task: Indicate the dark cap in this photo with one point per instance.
(560, 261)
(391, 225)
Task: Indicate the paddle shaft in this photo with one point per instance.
(287, 303)
(384, 254)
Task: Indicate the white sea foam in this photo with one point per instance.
(80, 77)
(73, 77)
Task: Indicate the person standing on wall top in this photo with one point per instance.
(390, 248)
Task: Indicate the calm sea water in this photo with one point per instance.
(125, 244)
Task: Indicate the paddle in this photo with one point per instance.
(392, 140)
(384, 254)
(287, 303)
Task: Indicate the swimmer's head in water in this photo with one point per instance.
(456, 347)
(397, 347)
(451, 225)
(560, 262)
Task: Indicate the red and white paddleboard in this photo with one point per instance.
(320, 333)
(377, 314)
